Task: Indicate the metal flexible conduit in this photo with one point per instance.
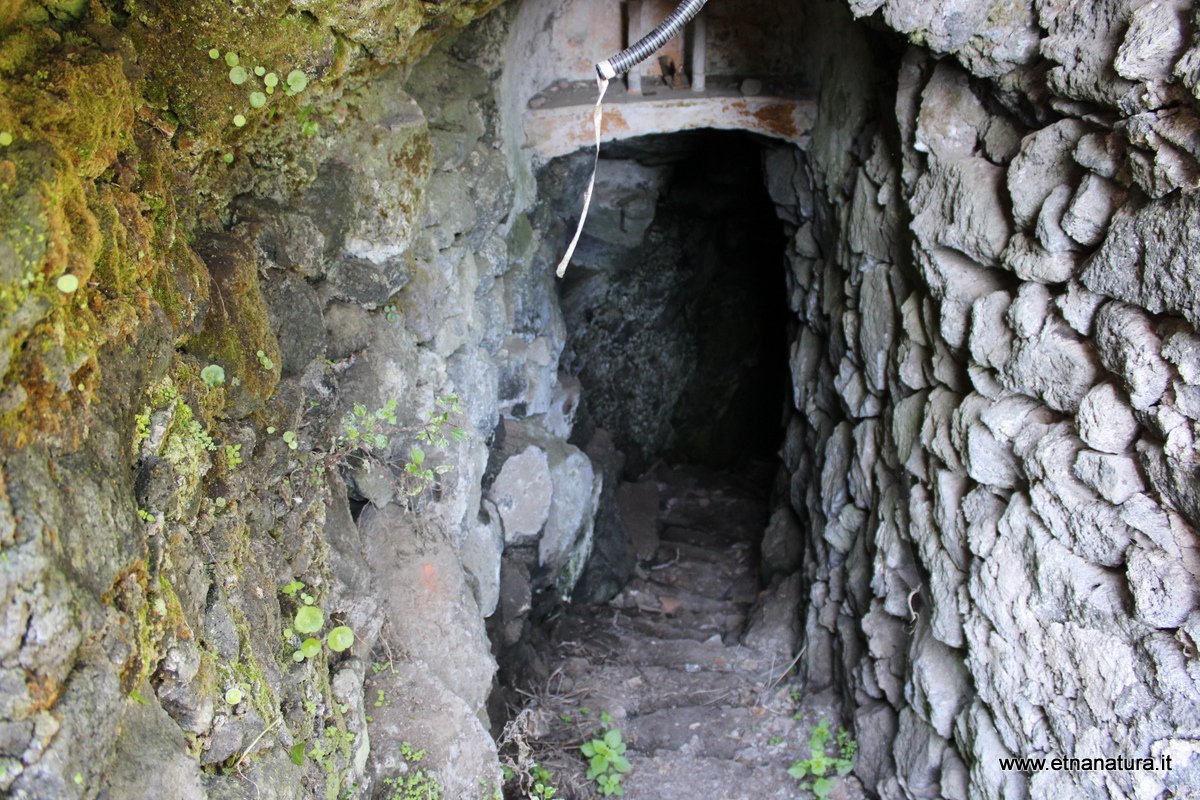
(648, 44)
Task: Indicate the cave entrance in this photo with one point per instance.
(675, 302)
(676, 313)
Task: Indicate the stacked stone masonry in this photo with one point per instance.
(992, 450)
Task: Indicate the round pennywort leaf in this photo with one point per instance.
(340, 638)
(297, 81)
(310, 647)
(213, 375)
(309, 619)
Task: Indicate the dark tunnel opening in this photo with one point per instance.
(676, 314)
(675, 302)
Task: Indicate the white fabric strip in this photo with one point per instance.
(597, 115)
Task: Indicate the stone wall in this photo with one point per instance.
(161, 526)
(992, 452)
(990, 463)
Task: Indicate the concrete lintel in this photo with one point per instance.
(554, 132)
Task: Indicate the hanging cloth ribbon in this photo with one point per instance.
(597, 119)
(611, 68)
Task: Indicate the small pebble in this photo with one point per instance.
(751, 87)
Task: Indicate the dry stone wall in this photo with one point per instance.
(992, 451)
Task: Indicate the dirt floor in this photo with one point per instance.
(691, 664)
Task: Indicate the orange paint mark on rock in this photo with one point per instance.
(429, 579)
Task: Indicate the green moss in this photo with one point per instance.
(247, 671)
(158, 618)
(520, 237)
(237, 326)
(186, 446)
(573, 568)
(162, 393)
(10, 12)
(70, 118)
(195, 88)
(153, 607)
(183, 292)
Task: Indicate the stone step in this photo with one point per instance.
(646, 595)
(712, 594)
(683, 625)
(623, 690)
(709, 731)
(716, 537)
(692, 656)
(672, 776)
(703, 571)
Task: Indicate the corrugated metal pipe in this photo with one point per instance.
(651, 42)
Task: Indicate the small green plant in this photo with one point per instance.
(368, 433)
(434, 429)
(141, 426)
(827, 760)
(200, 435)
(415, 784)
(308, 619)
(370, 429)
(233, 456)
(265, 360)
(213, 375)
(262, 84)
(340, 638)
(607, 762)
(774, 740)
(543, 784)
(289, 437)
